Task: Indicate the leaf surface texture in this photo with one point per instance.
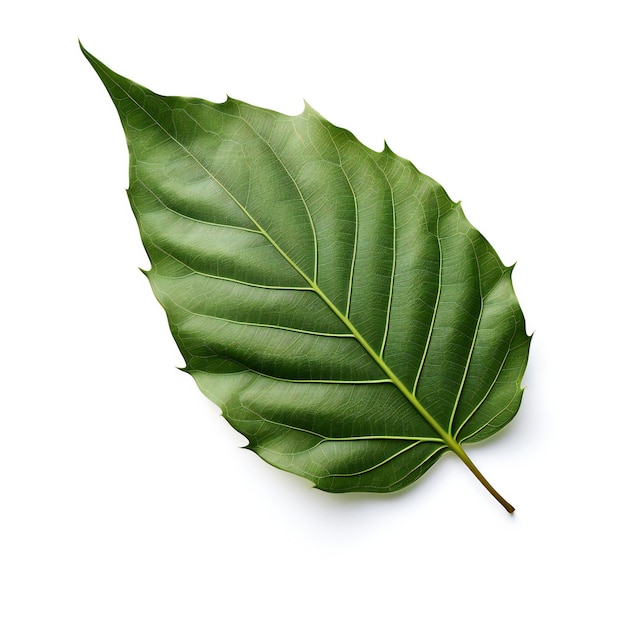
(331, 299)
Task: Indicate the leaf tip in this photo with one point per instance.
(86, 52)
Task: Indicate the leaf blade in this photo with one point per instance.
(313, 284)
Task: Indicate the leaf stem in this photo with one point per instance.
(458, 450)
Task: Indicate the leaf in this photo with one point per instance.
(332, 300)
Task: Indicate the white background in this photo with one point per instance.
(125, 498)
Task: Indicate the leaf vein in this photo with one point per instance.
(491, 386)
(356, 224)
(474, 337)
(260, 325)
(435, 307)
(238, 281)
(194, 219)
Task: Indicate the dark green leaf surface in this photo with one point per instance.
(332, 300)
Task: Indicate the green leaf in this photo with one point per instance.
(332, 300)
